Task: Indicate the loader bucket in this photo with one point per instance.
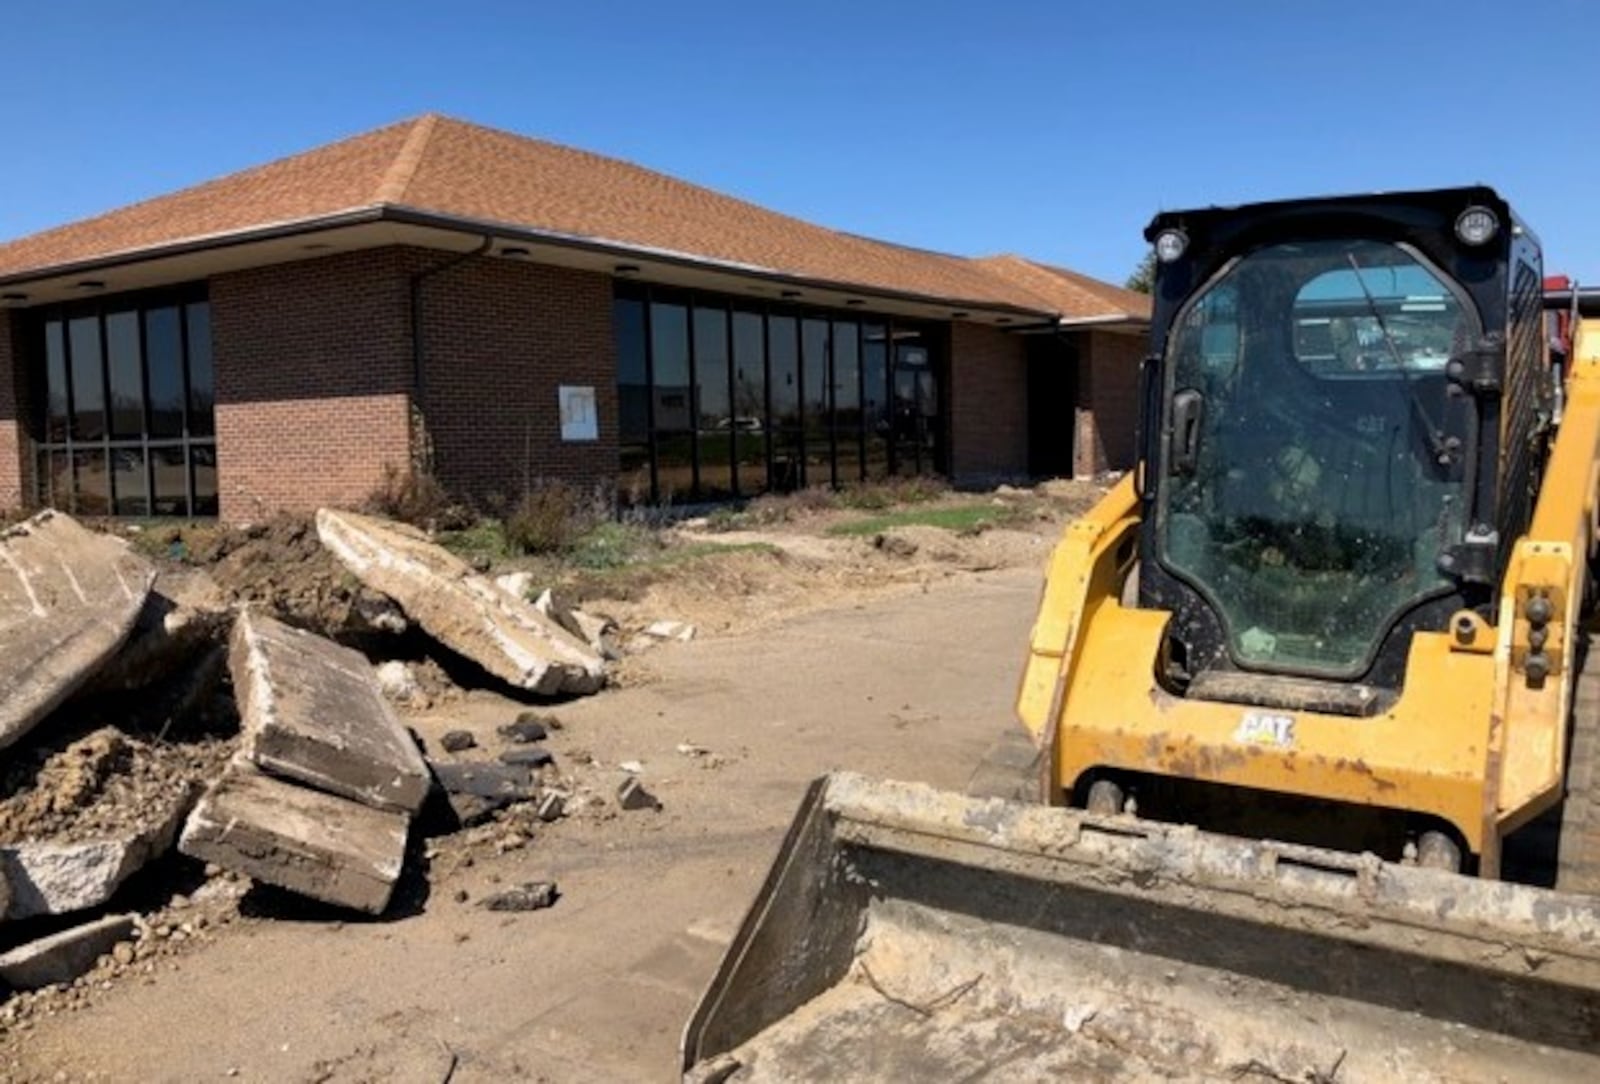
(906, 933)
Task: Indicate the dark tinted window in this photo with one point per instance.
(57, 405)
(164, 359)
(202, 387)
(126, 369)
(125, 398)
(88, 376)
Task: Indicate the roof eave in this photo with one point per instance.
(397, 213)
(356, 216)
(556, 238)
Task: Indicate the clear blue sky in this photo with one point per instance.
(1051, 129)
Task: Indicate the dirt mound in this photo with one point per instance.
(278, 565)
(101, 784)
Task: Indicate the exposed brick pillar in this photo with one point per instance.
(988, 404)
(15, 490)
(313, 371)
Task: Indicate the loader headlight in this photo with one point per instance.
(1477, 226)
(1170, 245)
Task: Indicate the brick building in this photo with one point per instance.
(503, 311)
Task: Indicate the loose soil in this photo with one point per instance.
(894, 654)
(105, 784)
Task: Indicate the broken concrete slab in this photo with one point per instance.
(516, 584)
(527, 728)
(485, 780)
(552, 806)
(64, 956)
(461, 609)
(671, 630)
(599, 632)
(632, 795)
(43, 878)
(312, 710)
(68, 599)
(533, 757)
(398, 681)
(531, 896)
(476, 791)
(184, 614)
(307, 841)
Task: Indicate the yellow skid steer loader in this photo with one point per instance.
(1311, 695)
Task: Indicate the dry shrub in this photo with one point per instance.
(550, 518)
(417, 498)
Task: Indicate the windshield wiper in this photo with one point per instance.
(1437, 444)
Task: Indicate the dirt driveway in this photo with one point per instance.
(913, 685)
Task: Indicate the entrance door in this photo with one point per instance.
(1052, 405)
(916, 407)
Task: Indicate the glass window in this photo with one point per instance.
(847, 400)
(729, 399)
(126, 369)
(171, 474)
(129, 496)
(875, 397)
(750, 400)
(1311, 503)
(93, 483)
(88, 379)
(164, 354)
(672, 399)
(783, 358)
(125, 399)
(204, 457)
(633, 377)
(711, 367)
(783, 352)
(202, 386)
(713, 408)
(55, 379)
(633, 400)
(818, 416)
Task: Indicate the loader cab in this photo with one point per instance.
(1344, 408)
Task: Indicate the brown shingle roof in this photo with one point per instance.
(1069, 294)
(446, 167)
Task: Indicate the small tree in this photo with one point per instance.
(1143, 279)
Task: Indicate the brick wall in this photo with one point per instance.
(313, 371)
(13, 490)
(1108, 401)
(988, 405)
(501, 337)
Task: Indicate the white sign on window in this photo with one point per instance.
(579, 418)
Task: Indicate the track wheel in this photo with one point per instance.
(1578, 857)
(1435, 850)
(1105, 797)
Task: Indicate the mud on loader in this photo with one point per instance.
(1311, 692)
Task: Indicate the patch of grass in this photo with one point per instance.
(484, 538)
(963, 519)
(631, 581)
(613, 545)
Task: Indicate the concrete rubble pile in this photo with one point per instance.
(317, 793)
(68, 599)
(321, 795)
(500, 631)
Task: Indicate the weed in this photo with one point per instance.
(417, 498)
(963, 519)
